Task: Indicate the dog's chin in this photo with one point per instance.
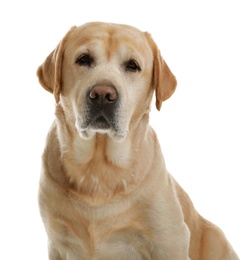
(89, 133)
(101, 126)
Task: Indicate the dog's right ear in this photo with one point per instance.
(49, 73)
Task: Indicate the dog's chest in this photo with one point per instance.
(105, 240)
(128, 243)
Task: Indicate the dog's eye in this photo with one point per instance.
(132, 66)
(84, 60)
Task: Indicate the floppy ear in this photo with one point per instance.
(163, 80)
(49, 73)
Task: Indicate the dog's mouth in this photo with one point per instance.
(100, 123)
(101, 113)
(100, 120)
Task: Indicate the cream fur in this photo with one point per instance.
(106, 194)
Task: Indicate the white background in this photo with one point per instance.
(202, 128)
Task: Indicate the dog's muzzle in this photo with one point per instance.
(102, 102)
(102, 112)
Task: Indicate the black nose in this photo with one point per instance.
(103, 95)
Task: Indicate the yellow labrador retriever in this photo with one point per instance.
(105, 192)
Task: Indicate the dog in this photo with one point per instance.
(104, 190)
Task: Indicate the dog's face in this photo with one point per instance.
(104, 76)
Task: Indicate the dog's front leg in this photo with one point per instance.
(54, 254)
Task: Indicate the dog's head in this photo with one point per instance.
(104, 76)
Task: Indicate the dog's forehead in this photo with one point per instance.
(112, 36)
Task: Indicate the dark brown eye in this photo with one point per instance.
(132, 66)
(84, 60)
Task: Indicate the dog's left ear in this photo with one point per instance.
(49, 73)
(163, 80)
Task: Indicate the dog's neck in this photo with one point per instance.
(101, 168)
